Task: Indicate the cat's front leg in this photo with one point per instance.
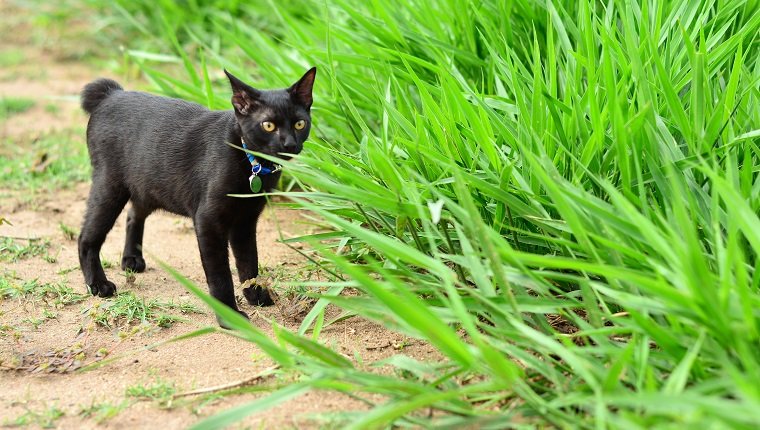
(243, 243)
(212, 242)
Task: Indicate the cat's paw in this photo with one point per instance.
(133, 263)
(258, 296)
(102, 288)
(223, 324)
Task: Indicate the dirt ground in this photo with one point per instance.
(66, 337)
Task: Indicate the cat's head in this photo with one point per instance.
(275, 121)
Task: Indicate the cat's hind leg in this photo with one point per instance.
(132, 258)
(104, 205)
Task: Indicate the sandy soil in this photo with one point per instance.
(195, 363)
(199, 362)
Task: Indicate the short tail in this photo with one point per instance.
(97, 91)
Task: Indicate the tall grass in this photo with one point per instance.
(561, 197)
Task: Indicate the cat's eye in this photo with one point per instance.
(300, 125)
(268, 126)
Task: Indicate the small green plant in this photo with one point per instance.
(50, 258)
(14, 249)
(5, 330)
(45, 418)
(106, 263)
(159, 391)
(56, 294)
(11, 289)
(126, 309)
(52, 108)
(102, 412)
(69, 233)
(68, 270)
(10, 106)
(34, 322)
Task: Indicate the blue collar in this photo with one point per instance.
(258, 169)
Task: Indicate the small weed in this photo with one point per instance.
(12, 250)
(106, 263)
(57, 295)
(5, 330)
(37, 322)
(127, 309)
(52, 108)
(10, 106)
(129, 276)
(34, 322)
(68, 270)
(102, 412)
(50, 258)
(9, 289)
(69, 233)
(45, 418)
(159, 391)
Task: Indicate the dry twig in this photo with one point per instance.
(261, 375)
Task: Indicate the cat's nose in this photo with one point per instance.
(290, 146)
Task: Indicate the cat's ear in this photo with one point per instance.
(300, 92)
(244, 96)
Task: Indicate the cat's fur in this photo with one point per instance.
(163, 153)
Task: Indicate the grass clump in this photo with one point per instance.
(13, 249)
(126, 309)
(10, 106)
(69, 233)
(56, 294)
(45, 418)
(102, 412)
(54, 161)
(159, 391)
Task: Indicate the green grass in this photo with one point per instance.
(15, 249)
(52, 108)
(56, 294)
(486, 169)
(69, 233)
(127, 309)
(159, 391)
(45, 418)
(102, 412)
(10, 106)
(54, 161)
(12, 57)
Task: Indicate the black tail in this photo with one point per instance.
(97, 91)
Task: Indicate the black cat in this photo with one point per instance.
(162, 153)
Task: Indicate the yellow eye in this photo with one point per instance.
(268, 126)
(300, 125)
